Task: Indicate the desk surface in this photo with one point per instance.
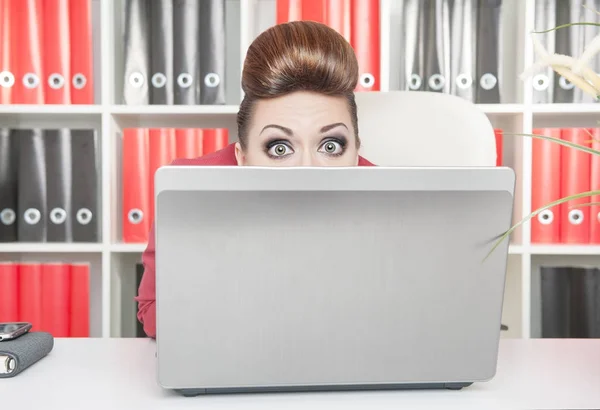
(120, 374)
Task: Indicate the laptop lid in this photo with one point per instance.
(304, 278)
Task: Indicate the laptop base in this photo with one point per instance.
(305, 389)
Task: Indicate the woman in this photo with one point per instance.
(298, 110)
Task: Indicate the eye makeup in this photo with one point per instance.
(340, 140)
(276, 144)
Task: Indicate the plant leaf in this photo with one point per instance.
(565, 26)
(585, 204)
(537, 211)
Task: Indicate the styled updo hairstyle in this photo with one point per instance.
(297, 56)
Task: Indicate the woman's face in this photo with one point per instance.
(300, 129)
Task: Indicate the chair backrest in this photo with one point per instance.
(419, 128)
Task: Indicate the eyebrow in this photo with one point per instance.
(289, 132)
(332, 126)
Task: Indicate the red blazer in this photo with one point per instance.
(147, 292)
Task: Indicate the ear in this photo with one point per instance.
(239, 155)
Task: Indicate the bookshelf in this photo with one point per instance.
(112, 273)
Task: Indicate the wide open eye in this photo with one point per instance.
(279, 150)
(332, 147)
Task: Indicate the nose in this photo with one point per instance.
(308, 160)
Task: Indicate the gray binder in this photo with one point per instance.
(57, 145)
(591, 15)
(569, 41)
(488, 52)
(137, 53)
(463, 48)
(414, 21)
(542, 82)
(570, 302)
(9, 155)
(84, 194)
(212, 52)
(161, 27)
(186, 23)
(31, 207)
(436, 36)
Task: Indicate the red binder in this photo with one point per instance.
(313, 10)
(27, 52)
(82, 78)
(189, 142)
(499, 147)
(30, 294)
(79, 320)
(163, 151)
(9, 292)
(215, 139)
(7, 78)
(545, 186)
(575, 179)
(288, 10)
(365, 40)
(337, 16)
(135, 177)
(57, 55)
(594, 220)
(56, 297)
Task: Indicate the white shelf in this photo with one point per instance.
(128, 247)
(51, 247)
(141, 247)
(577, 250)
(113, 262)
(30, 109)
(566, 109)
(174, 110)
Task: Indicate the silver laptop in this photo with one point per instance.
(303, 279)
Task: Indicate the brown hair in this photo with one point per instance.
(295, 56)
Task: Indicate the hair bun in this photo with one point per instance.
(299, 55)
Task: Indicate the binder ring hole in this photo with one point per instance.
(367, 80)
(136, 80)
(464, 81)
(32, 216)
(135, 216)
(488, 81)
(58, 216)
(546, 217)
(12, 364)
(437, 82)
(184, 80)
(576, 216)
(30, 80)
(212, 80)
(414, 82)
(565, 84)
(7, 79)
(8, 216)
(159, 80)
(56, 81)
(79, 81)
(84, 216)
(541, 82)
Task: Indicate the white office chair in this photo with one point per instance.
(419, 128)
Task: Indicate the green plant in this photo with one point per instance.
(579, 73)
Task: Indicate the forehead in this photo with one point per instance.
(302, 111)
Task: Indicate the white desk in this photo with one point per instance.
(120, 374)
